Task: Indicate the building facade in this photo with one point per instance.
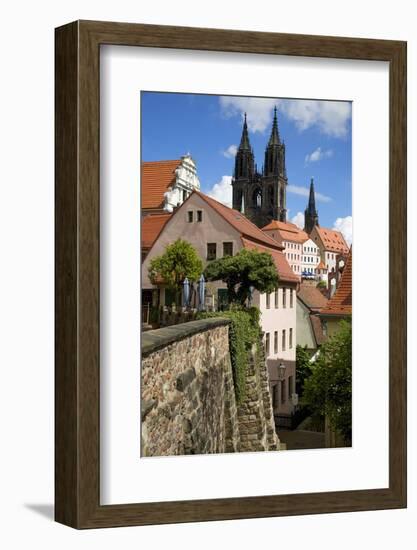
(261, 196)
(292, 238)
(215, 231)
(166, 184)
(310, 258)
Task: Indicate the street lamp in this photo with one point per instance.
(281, 371)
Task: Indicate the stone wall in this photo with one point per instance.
(188, 397)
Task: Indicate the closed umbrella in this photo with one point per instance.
(201, 292)
(186, 292)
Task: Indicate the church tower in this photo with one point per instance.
(274, 178)
(261, 196)
(311, 216)
(244, 169)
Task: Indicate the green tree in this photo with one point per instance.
(180, 260)
(303, 367)
(328, 391)
(247, 268)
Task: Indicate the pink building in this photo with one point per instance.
(216, 231)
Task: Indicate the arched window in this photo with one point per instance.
(257, 197)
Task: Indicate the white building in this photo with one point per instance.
(310, 258)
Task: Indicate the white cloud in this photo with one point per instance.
(318, 154)
(298, 219)
(330, 117)
(222, 191)
(259, 110)
(230, 152)
(344, 225)
(305, 192)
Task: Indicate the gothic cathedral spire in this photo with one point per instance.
(273, 150)
(311, 217)
(244, 161)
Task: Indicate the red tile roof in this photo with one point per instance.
(341, 302)
(288, 231)
(311, 296)
(152, 225)
(284, 270)
(332, 240)
(321, 265)
(240, 222)
(156, 178)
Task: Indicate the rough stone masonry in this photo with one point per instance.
(188, 401)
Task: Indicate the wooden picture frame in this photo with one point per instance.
(77, 405)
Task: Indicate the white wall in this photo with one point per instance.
(279, 319)
(26, 218)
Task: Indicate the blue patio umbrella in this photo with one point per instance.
(201, 292)
(186, 292)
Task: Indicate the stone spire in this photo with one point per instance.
(274, 139)
(244, 161)
(274, 160)
(311, 217)
(244, 140)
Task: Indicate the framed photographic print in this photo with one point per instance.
(230, 274)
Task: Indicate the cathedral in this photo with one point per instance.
(261, 196)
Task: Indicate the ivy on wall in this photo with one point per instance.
(244, 331)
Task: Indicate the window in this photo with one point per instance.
(276, 298)
(227, 249)
(284, 297)
(291, 298)
(290, 342)
(268, 300)
(267, 344)
(199, 215)
(283, 340)
(190, 216)
(184, 195)
(211, 251)
(276, 341)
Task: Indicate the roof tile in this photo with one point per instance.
(311, 296)
(341, 301)
(152, 225)
(156, 178)
(332, 240)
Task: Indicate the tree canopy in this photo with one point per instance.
(180, 260)
(302, 367)
(328, 391)
(247, 268)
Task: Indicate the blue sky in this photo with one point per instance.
(317, 135)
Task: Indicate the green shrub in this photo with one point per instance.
(244, 331)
